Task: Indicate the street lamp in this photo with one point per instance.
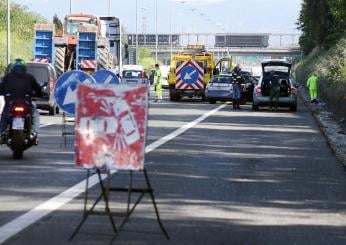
(109, 7)
(136, 31)
(156, 40)
(170, 27)
(8, 32)
(143, 19)
(70, 7)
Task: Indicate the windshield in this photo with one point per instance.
(132, 74)
(40, 73)
(225, 79)
(72, 26)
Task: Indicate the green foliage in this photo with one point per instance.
(22, 31)
(146, 59)
(330, 66)
(57, 22)
(322, 22)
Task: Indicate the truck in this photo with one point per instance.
(191, 70)
(86, 42)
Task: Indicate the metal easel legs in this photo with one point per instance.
(129, 210)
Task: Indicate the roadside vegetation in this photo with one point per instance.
(145, 59)
(22, 32)
(323, 40)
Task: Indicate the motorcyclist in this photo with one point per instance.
(18, 84)
(237, 76)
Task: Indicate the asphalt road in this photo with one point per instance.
(238, 177)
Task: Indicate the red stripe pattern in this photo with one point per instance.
(180, 84)
(40, 60)
(88, 64)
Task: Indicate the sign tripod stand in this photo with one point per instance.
(110, 133)
(105, 190)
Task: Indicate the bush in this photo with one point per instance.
(330, 66)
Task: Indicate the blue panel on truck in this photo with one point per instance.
(44, 47)
(87, 48)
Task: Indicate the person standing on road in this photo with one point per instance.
(274, 91)
(158, 83)
(237, 86)
(311, 83)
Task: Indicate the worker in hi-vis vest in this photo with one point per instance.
(158, 83)
(312, 85)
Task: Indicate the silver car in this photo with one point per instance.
(220, 88)
(288, 91)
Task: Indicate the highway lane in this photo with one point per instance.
(239, 177)
(48, 169)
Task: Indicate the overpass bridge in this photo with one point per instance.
(252, 47)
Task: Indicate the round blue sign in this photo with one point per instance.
(105, 77)
(65, 90)
(189, 74)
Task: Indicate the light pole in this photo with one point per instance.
(144, 19)
(8, 32)
(170, 27)
(109, 7)
(70, 6)
(136, 32)
(156, 39)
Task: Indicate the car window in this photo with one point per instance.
(132, 74)
(276, 68)
(40, 73)
(222, 80)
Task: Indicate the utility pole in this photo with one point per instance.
(70, 6)
(8, 32)
(156, 42)
(170, 27)
(109, 7)
(136, 32)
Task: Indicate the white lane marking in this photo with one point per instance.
(22, 222)
(46, 124)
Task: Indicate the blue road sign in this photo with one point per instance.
(189, 74)
(66, 88)
(105, 77)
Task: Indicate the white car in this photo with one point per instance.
(134, 75)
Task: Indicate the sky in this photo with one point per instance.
(187, 16)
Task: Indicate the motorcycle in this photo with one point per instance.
(18, 136)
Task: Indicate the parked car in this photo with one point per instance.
(288, 91)
(220, 88)
(46, 76)
(134, 75)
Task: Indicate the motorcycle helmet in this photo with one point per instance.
(19, 66)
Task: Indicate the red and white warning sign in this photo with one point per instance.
(88, 64)
(111, 123)
(190, 75)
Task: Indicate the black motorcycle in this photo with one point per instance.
(18, 136)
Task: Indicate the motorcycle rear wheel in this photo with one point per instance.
(17, 144)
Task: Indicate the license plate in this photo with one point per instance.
(18, 123)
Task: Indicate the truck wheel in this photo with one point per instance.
(104, 59)
(212, 101)
(254, 107)
(17, 144)
(59, 62)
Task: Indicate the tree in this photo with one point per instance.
(57, 22)
(322, 23)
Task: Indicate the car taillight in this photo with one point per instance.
(293, 91)
(143, 77)
(19, 109)
(51, 85)
(258, 90)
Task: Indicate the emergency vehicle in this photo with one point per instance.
(191, 70)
